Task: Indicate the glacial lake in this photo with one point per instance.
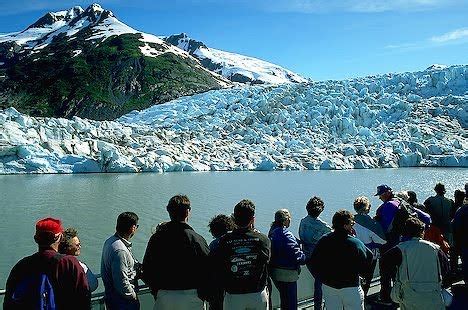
(91, 202)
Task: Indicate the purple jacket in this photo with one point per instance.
(386, 212)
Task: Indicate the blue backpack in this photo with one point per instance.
(35, 291)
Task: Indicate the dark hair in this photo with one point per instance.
(459, 197)
(177, 207)
(413, 228)
(220, 225)
(315, 206)
(65, 243)
(125, 221)
(439, 189)
(412, 198)
(244, 211)
(341, 218)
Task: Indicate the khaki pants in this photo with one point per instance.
(250, 301)
(178, 300)
(348, 298)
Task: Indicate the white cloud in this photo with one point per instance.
(452, 36)
(457, 36)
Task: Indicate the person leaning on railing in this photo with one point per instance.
(67, 277)
(119, 268)
(176, 261)
(418, 283)
(286, 258)
(71, 245)
(240, 262)
(370, 233)
(311, 229)
(338, 260)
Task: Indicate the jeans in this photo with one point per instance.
(288, 294)
(318, 298)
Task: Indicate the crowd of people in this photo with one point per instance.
(417, 247)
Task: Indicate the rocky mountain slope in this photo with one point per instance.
(85, 62)
(394, 120)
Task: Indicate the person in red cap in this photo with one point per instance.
(67, 277)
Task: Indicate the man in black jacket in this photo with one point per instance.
(241, 261)
(176, 261)
(338, 260)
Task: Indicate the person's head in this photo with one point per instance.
(244, 213)
(70, 243)
(315, 206)
(384, 192)
(412, 198)
(439, 188)
(343, 221)
(459, 196)
(362, 205)
(282, 218)
(179, 208)
(127, 224)
(413, 228)
(220, 225)
(48, 233)
(403, 195)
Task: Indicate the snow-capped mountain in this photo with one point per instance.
(235, 67)
(86, 62)
(99, 24)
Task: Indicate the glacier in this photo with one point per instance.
(413, 119)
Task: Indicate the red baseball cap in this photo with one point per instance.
(50, 225)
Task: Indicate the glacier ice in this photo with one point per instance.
(393, 120)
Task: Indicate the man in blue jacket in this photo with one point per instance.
(338, 260)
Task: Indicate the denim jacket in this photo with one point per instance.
(310, 231)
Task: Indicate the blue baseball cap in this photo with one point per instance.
(383, 189)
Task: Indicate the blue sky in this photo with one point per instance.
(320, 39)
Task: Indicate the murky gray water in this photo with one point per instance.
(91, 203)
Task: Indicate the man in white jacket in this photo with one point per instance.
(420, 268)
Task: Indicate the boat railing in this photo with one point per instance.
(146, 299)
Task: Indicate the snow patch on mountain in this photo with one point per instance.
(235, 67)
(394, 120)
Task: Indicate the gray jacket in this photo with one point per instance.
(118, 268)
(310, 231)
